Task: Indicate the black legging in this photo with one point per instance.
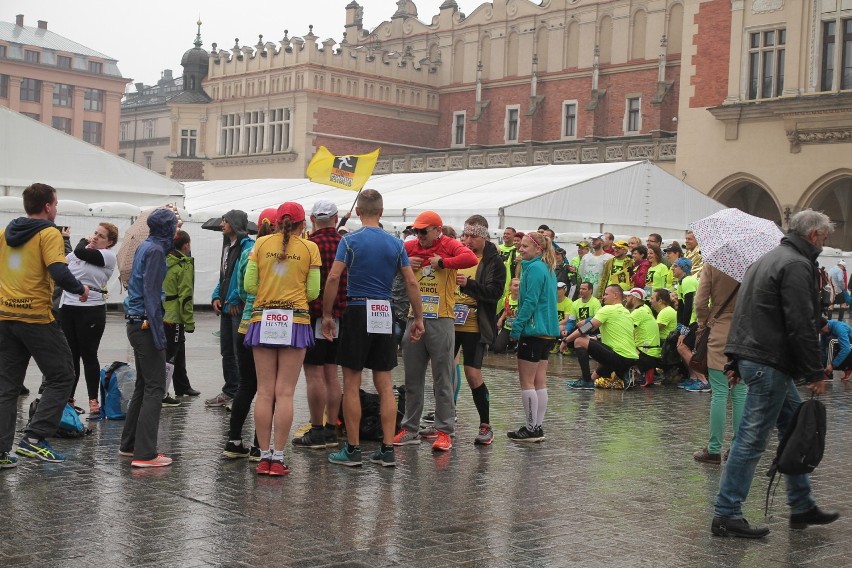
(245, 393)
(609, 360)
(83, 327)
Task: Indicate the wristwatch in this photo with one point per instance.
(441, 263)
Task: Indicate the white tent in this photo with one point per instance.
(622, 197)
(34, 152)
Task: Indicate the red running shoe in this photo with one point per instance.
(264, 467)
(278, 469)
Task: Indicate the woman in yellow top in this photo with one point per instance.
(283, 274)
(658, 273)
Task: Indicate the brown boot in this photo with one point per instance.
(704, 456)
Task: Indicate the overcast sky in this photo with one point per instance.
(149, 36)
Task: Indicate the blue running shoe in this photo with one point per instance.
(698, 386)
(7, 460)
(40, 450)
(346, 456)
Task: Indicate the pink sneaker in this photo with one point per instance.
(94, 407)
(159, 461)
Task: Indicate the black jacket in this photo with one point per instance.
(487, 289)
(776, 318)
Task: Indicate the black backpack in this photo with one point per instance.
(802, 447)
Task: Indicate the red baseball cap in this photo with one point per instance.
(268, 215)
(293, 210)
(427, 219)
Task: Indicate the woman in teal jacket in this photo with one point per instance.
(536, 327)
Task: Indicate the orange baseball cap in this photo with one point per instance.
(427, 219)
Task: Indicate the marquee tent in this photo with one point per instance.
(621, 197)
(31, 151)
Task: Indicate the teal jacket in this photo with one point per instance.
(536, 302)
(178, 288)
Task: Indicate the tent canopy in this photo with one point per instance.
(32, 151)
(622, 197)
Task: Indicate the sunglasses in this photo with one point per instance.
(423, 232)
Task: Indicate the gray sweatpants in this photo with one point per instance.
(437, 345)
(143, 414)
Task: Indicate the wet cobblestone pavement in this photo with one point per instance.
(614, 485)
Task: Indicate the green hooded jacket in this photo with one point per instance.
(178, 287)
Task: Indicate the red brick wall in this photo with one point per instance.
(546, 124)
(388, 131)
(188, 169)
(713, 43)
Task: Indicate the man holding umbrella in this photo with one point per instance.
(773, 341)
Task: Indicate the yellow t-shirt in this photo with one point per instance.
(283, 283)
(471, 325)
(437, 291)
(26, 288)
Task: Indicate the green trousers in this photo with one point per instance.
(719, 408)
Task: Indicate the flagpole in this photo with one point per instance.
(346, 217)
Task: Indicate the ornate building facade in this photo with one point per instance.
(60, 82)
(513, 83)
(766, 107)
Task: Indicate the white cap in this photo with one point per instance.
(561, 285)
(324, 209)
(841, 262)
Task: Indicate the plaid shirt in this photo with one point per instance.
(327, 240)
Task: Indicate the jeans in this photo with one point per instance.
(228, 348)
(771, 400)
(46, 344)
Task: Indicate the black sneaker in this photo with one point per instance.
(254, 454)
(524, 434)
(236, 451)
(24, 391)
(170, 402)
(313, 438)
(330, 434)
(429, 418)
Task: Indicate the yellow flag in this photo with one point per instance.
(345, 172)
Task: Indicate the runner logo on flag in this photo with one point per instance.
(344, 172)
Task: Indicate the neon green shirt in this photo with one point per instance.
(563, 308)
(689, 285)
(657, 277)
(668, 319)
(582, 311)
(646, 332)
(617, 330)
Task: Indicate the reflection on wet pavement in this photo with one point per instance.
(614, 485)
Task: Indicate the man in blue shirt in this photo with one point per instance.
(842, 354)
(372, 258)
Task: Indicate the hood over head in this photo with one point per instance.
(22, 229)
(238, 221)
(162, 223)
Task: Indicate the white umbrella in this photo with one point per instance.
(133, 237)
(731, 240)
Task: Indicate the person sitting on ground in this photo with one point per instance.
(841, 358)
(616, 352)
(646, 334)
(583, 309)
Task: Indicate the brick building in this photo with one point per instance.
(59, 82)
(510, 84)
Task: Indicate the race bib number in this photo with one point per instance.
(430, 306)
(318, 329)
(509, 323)
(461, 312)
(276, 327)
(379, 317)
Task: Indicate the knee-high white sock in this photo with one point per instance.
(530, 407)
(541, 394)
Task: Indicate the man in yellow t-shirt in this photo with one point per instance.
(32, 258)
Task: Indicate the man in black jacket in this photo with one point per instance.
(480, 288)
(774, 341)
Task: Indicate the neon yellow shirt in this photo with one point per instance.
(646, 332)
(617, 330)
